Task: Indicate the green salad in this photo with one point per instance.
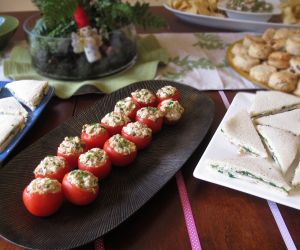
(249, 5)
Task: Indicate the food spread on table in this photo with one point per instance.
(271, 59)
(114, 141)
(13, 115)
(291, 11)
(267, 141)
(249, 5)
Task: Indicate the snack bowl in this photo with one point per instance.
(54, 57)
(8, 26)
(247, 15)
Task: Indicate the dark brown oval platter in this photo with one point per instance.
(121, 194)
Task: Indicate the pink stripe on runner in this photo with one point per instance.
(285, 234)
(99, 244)
(187, 211)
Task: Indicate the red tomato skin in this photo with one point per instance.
(101, 171)
(142, 105)
(76, 195)
(118, 159)
(95, 141)
(72, 159)
(165, 119)
(154, 125)
(175, 97)
(42, 204)
(113, 130)
(59, 175)
(140, 142)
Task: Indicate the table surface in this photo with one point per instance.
(224, 218)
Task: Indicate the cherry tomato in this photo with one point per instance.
(94, 135)
(144, 98)
(95, 161)
(114, 147)
(114, 122)
(80, 187)
(167, 92)
(172, 111)
(128, 107)
(43, 203)
(53, 167)
(138, 133)
(151, 117)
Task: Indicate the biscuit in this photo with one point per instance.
(248, 40)
(262, 72)
(259, 50)
(279, 59)
(292, 45)
(268, 35)
(278, 44)
(283, 81)
(295, 65)
(245, 62)
(297, 90)
(281, 33)
(238, 49)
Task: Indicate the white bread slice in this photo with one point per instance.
(283, 146)
(10, 125)
(260, 171)
(10, 106)
(289, 121)
(29, 92)
(240, 130)
(272, 102)
(296, 178)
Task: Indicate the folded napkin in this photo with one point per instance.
(150, 53)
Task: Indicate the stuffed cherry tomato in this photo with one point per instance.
(167, 92)
(53, 167)
(120, 150)
(114, 121)
(151, 117)
(43, 196)
(94, 135)
(95, 161)
(144, 97)
(172, 111)
(128, 107)
(70, 149)
(138, 133)
(80, 187)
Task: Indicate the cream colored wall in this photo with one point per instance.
(26, 5)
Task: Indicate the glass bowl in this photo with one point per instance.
(55, 58)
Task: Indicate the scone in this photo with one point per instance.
(268, 35)
(245, 62)
(259, 50)
(281, 33)
(278, 44)
(292, 45)
(238, 49)
(297, 90)
(295, 65)
(248, 40)
(279, 59)
(262, 72)
(283, 80)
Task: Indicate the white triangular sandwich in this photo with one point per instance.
(249, 168)
(10, 106)
(272, 102)
(289, 121)
(239, 130)
(10, 125)
(296, 178)
(283, 145)
(29, 92)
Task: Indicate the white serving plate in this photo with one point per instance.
(219, 147)
(227, 23)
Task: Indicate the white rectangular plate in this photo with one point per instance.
(219, 147)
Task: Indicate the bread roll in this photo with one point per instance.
(283, 81)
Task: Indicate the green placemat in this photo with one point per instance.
(18, 66)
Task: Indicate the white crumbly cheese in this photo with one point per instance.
(126, 106)
(171, 109)
(166, 91)
(137, 129)
(114, 119)
(50, 165)
(93, 129)
(143, 96)
(44, 186)
(83, 179)
(122, 145)
(94, 157)
(71, 145)
(151, 113)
